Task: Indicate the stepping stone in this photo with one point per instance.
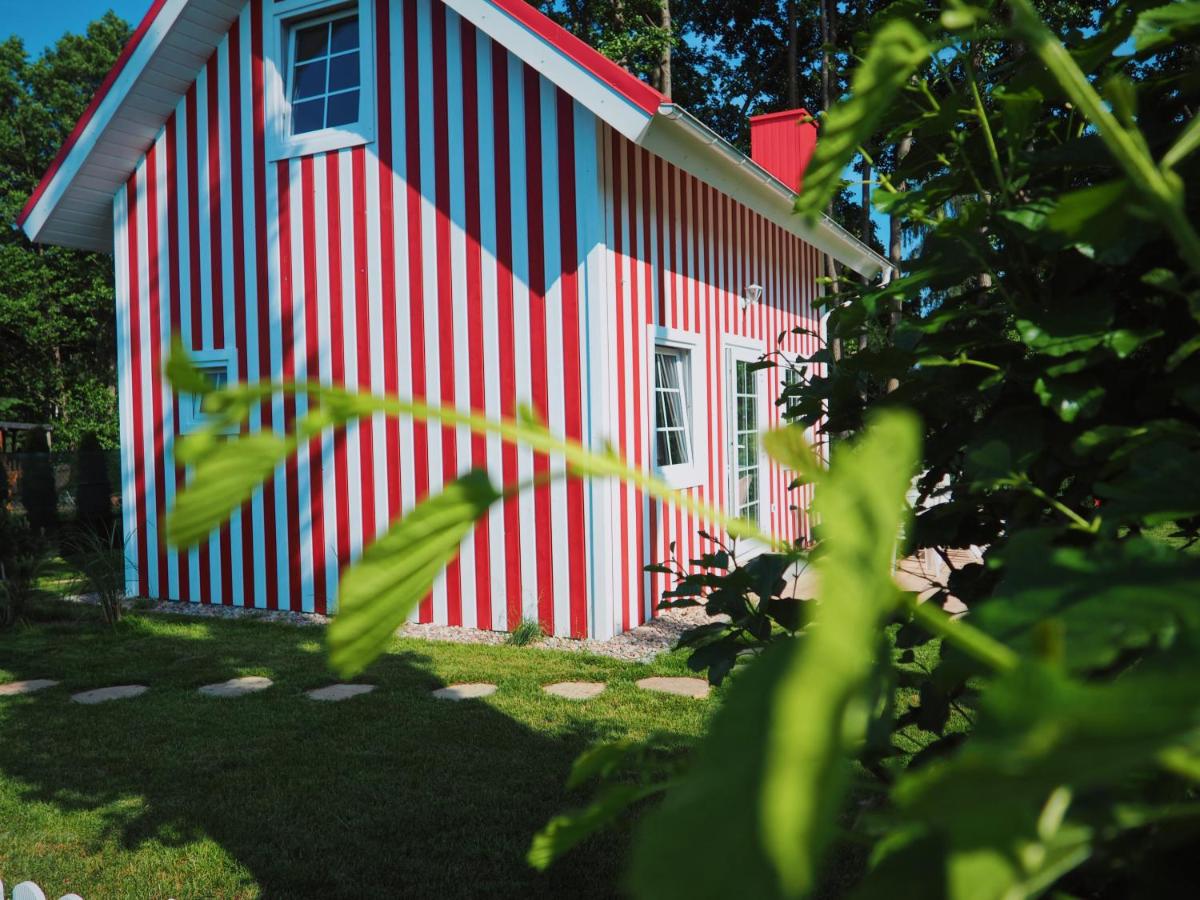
(336, 692)
(465, 691)
(237, 687)
(13, 688)
(103, 695)
(575, 690)
(682, 687)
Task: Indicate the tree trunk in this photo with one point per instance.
(895, 255)
(664, 64)
(827, 38)
(793, 55)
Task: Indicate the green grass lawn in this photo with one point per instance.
(273, 795)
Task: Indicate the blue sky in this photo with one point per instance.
(42, 23)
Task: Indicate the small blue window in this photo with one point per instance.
(326, 74)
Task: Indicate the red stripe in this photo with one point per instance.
(135, 359)
(572, 364)
(204, 561)
(176, 312)
(362, 293)
(470, 83)
(505, 323)
(445, 286)
(316, 479)
(537, 343)
(244, 524)
(216, 283)
(263, 287)
(288, 372)
(387, 241)
(416, 275)
(337, 346)
(154, 301)
(134, 42)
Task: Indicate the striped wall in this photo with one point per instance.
(494, 246)
(680, 255)
(446, 261)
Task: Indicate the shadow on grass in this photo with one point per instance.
(390, 794)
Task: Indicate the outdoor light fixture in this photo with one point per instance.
(751, 295)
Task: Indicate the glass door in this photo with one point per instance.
(744, 462)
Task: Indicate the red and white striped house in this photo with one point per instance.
(454, 200)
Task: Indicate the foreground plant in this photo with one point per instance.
(1046, 334)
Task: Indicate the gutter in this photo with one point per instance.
(861, 258)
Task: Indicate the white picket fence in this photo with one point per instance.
(27, 890)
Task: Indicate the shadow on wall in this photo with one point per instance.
(391, 794)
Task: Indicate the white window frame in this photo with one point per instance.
(285, 16)
(735, 348)
(691, 345)
(209, 362)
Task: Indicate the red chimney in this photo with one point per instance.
(782, 145)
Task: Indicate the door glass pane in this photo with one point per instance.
(745, 439)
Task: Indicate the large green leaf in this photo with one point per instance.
(1166, 24)
(378, 593)
(767, 781)
(998, 816)
(819, 707)
(569, 829)
(226, 475)
(1105, 601)
(896, 51)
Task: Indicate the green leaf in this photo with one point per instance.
(226, 475)
(806, 702)
(182, 372)
(717, 798)
(1070, 398)
(896, 51)
(819, 706)
(1165, 24)
(1127, 595)
(569, 829)
(601, 761)
(378, 593)
(789, 446)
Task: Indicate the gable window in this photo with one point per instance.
(217, 367)
(677, 437)
(320, 75)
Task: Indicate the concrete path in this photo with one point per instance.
(337, 692)
(104, 694)
(681, 687)
(16, 688)
(471, 691)
(575, 690)
(237, 687)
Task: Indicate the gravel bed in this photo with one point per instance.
(640, 644)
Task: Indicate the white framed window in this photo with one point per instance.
(678, 419)
(218, 367)
(320, 77)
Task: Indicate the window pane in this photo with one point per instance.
(345, 34)
(312, 41)
(343, 72)
(343, 109)
(309, 80)
(661, 452)
(308, 116)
